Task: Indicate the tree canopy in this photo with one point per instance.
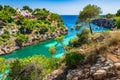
(118, 13)
(5, 16)
(27, 8)
(89, 12)
(117, 22)
(1, 7)
(109, 16)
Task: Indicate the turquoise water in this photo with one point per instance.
(4, 74)
(42, 48)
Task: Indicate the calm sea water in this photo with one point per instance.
(42, 48)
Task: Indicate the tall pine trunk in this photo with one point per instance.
(90, 28)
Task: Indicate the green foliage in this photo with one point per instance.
(21, 39)
(55, 16)
(15, 69)
(60, 39)
(83, 37)
(3, 65)
(41, 14)
(67, 47)
(1, 7)
(117, 22)
(89, 12)
(52, 50)
(5, 36)
(73, 58)
(78, 27)
(52, 28)
(9, 9)
(19, 20)
(36, 10)
(28, 25)
(42, 22)
(118, 13)
(27, 8)
(73, 42)
(32, 68)
(109, 16)
(6, 32)
(5, 16)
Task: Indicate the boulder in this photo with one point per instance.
(117, 66)
(99, 74)
(74, 74)
(101, 59)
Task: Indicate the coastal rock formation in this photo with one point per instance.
(97, 65)
(32, 40)
(99, 71)
(106, 23)
(103, 69)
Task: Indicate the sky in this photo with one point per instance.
(65, 7)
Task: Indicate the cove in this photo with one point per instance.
(42, 47)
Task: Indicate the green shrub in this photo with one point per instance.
(67, 47)
(73, 42)
(83, 37)
(77, 27)
(3, 65)
(52, 49)
(60, 39)
(21, 39)
(5, 36)
(117, 22)
(32, 68)
(73, 58)
(6, 32)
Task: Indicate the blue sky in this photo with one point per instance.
(65, 7)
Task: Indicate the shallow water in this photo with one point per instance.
(42, 48)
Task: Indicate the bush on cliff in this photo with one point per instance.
(83, 37)
(3, 65)
(117, 22)
(21, 39)
(32, 68)
(73, 42)
(52, 50)
(5, 36)
(73, 58)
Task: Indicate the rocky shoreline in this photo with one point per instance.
(103, 69)
(98, 64)
(106, 23)
(32, 40)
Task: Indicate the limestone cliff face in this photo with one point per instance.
(26, 28)
(33, 39)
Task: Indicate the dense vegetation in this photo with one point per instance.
(73, 58)
(37, 67)
(31, 68)
(27, 22)
(21, 26)
(117, 19)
